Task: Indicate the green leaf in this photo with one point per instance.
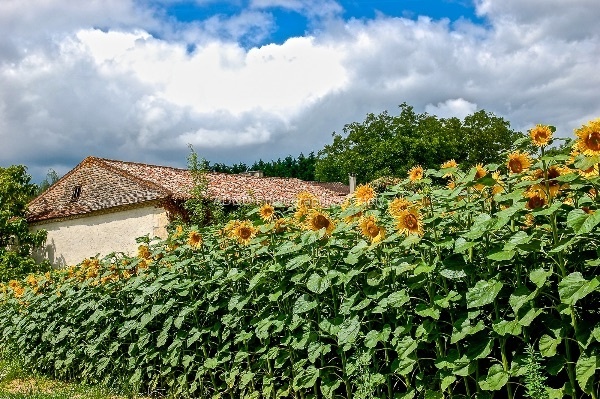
(424, 310)
(406, 360)
(463, 328)
(505, 327)
(306, 378)
(461, 245)
(211, 363)
(373, 337)
(348, 331)
(585, 370)
(528, 317)
(395, 299)
(480, 348)
(582, 222)
(574, 287)
(547, 345)
(502, 255)
(318, 284)
(519, 238)
(495, 379)
(298, 261)
(539, 277)
(483, 293)
(328, 388)
(520, 297)
(304, 304)
(316, 349)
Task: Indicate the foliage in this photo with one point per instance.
(16, 242)
(18, 383)
(423, 291)
(386, 145)
(201, 210)
(534, 379)
(302, 167)
(51, 178)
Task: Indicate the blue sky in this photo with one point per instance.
(290, 23)
(241, 80)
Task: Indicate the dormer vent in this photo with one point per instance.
(76, 193)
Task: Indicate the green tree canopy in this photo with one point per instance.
(16, 241)
(386, 145)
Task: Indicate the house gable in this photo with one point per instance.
(90, 187)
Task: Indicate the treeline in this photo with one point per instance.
(301, 167)
(387, 145)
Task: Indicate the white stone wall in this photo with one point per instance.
(71, 241)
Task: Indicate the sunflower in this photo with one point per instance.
(306, 200)
(353, 218)
(371, 230)
(541, 135)
(589, 172)
(480, 173)
(409, 222)
(398, 205)
(18, 291)
(318, 220)
(194, 239)
(281, 225)
(499, 186)
(554, 185)
(364, 194)
(588, 141)
(229, 229)
(143, 252)
(31, 281)
(244, 232)
(518, 162)
(178, 231)
(415, 173)
(536, 197)
(267, 212)
(447, 165)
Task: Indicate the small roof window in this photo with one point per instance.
(76, 193)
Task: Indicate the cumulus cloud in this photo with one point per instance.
(452, 108)
(116, 79)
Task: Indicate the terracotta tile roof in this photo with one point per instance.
(108, 183)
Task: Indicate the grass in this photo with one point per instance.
(17, 383)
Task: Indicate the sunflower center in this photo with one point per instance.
(515, 165)
(411, 222)
(372, 229)
(245, 232)
(320, 221)
(593, 141)
(535, 202)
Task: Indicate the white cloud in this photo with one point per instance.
(457, 108)
(326, 9)
(111, 79)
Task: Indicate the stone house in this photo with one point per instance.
(102, 205)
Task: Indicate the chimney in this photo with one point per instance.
(352, 182)
(255, 173)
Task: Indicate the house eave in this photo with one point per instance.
(120, 208)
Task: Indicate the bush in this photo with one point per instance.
(420, 291)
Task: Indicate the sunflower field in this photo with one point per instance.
(454, 283)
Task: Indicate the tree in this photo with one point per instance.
(51, 178)
(17, 243)
(385, 145)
